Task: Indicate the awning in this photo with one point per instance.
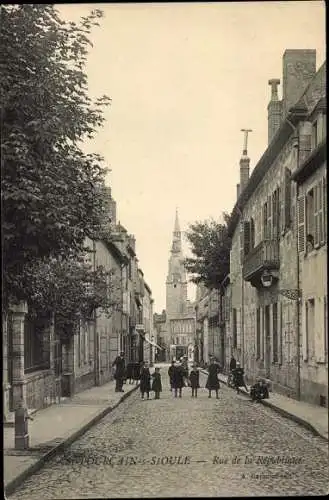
(153, 343)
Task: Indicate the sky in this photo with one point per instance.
(184, 78)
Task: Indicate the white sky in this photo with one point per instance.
(184, 79)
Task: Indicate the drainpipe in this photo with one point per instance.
(96, 339)
(298, 301)
(242, 303)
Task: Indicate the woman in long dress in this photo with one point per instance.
(212, 380)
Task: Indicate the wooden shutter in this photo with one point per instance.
(282, 209)
(287, 198)
(324, 208)
(316, 213)
(264, 221)
(241, 242)
(320, 212)
(305, 331)
(269, 217)
(246, 237)
(280, 328)
(301, 224)
(252, 233)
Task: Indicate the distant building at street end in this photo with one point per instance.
(180, 313)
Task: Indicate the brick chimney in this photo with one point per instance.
(299, 67)
(274, 109)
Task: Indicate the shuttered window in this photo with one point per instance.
(275, 332)
(325, 315)
(246, 237)
(258, 333)
(315, 216)
(280, 332)
(265, 215)
(301, 224)
(275, 214)
(324, 208)
(287, 198)
(252, 234)
(241, 242)
(320, 212)
(269, 218)
(234, 328)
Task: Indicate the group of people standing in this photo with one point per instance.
(180, 377)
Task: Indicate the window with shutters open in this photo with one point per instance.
(269, 217)
(311, 219)
(324, 208)
(275, 214)
(301, 224)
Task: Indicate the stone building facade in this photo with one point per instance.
(40, 368)
(265, 287)
(160, 335)
(311, 181)
(150, 346)
(209, 338)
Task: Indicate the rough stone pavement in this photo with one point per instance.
(186, 447)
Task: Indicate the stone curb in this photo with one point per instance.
(17, 481)
(284, 413)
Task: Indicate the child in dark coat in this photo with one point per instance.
(194, 380)
(259, 390)
(156, 385)
(145, 381)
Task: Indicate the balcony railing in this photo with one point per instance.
(263, 256)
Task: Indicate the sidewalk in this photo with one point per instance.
(314, 418)
(56, 427)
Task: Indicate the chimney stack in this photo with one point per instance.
(274, 109)
(244, 162)
(299, 68)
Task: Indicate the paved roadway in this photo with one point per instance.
(186, 447)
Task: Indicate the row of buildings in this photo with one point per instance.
(271, 310)
(42, 367)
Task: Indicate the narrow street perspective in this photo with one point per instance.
(186, 446)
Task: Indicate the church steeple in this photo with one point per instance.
(177, 236)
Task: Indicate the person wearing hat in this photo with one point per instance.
(238, 376)
(119, 375)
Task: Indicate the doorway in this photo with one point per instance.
(267, 334)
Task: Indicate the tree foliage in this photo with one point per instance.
(210, 246)
(48, 183)
(50, 187)
(71, 289)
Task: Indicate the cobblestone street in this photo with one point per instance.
(186, 447)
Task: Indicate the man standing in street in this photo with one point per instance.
(119, 375)
(232, 363)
